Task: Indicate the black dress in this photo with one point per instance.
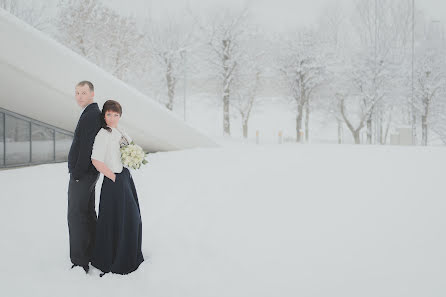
(119, 226)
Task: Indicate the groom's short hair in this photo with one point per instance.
(86, 82)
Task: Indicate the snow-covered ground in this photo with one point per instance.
(247, 220)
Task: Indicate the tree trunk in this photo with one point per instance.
(299, 121)
(389, 120)
(307, 121)
(414, 129)
(339, 132)
(226, 87)
(378, 118)
(170, 86)
(355, 132)
(356, 136)
(226, 124)
(381, 136)
(245, 128)
(424, 129)
(369, 129)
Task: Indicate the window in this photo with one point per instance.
(42, 143)
(25, 141)
(17, 134)
(63, 144)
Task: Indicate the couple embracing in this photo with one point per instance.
(112, 240)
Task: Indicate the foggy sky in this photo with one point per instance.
(272, 14)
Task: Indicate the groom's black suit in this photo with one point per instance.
(81, 188)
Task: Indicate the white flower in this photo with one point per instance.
(133, 156)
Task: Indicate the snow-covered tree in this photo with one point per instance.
(439, 113)
(119, 50)
(79, 27)
(383, 31)
(302, 66)
(430, 78)
(354, 129)
(167, 45)
(224, 36)
(33, 12)
(98, 33)
(333, 29)
(247, 81)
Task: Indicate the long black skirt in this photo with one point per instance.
(119, 226)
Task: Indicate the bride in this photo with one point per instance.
(119, 227)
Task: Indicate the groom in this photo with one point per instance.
(83, 177)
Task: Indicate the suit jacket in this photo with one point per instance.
(89, 124)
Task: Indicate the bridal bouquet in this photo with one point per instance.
(133, 156)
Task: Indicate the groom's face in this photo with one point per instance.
(83, 95)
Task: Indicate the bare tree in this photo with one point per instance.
(383, 28)
(33, 13)
(246, 87)
(333, 28)
(430, 80)
(303, 70)
(167, 45)
(100, 34)
(224, 36)
(353, 106)
(439, 126)
(369, 78)
(118, 51)
(364, 114)
(78, 26)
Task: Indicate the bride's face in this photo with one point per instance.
(112, 118)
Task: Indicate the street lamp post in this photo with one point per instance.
(413, 120)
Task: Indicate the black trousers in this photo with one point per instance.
(82, 218)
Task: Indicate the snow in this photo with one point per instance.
(247, 220)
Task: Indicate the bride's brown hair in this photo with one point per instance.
(110, 105)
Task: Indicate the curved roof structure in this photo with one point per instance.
(38, 76)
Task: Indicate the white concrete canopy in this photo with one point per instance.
(38, 77)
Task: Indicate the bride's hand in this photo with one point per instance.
(114, 177)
